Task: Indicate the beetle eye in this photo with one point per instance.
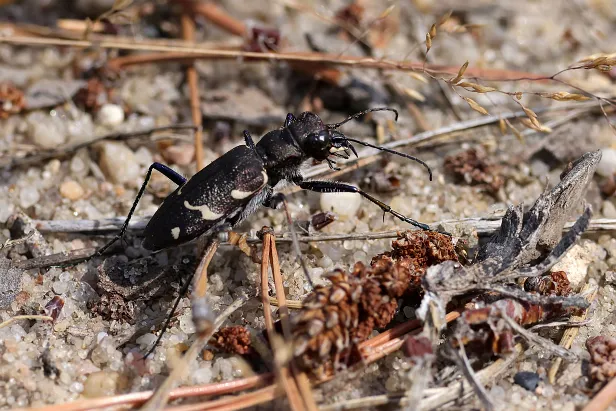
(317, 145)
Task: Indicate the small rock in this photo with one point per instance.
(180, 154)
(71, 190)
(608, 209)
(10, 285)
(610, 277)
(342, 204)
(101, 384)
(607, 165)
(110, 115)
(527, 380)
(575, 263)
(28, 196)
(46, 131)
(118, 162)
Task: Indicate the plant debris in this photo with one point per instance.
(337, 317)
(473, 167)
(232, 340)
(12, 100)
(602, 358)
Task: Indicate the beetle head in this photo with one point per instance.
(327, 142)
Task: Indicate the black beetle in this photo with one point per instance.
(236, 184)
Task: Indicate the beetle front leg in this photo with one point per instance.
(164, 170)
(337, 187)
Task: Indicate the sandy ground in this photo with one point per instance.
(87, 353)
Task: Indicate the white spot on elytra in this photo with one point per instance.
(175, 232)
(206, 213)
(240, 195)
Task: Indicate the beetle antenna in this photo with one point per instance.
(361, 113)
(363, 143)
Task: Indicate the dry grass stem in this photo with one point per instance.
(192, 77)
(570, 333)
(278, 345)
(188, 50)
(603, 399)
(25, 317)
(292, 304)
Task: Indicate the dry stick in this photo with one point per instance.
(483, 227)
(281, 370)
(391, 340)
(439, 397)
(604, 398)
(461, 389)
(188, 33)
(25, 317)
(37, 158)
(260, 396)
(138, 398)
(194, 51)
(570, 333)
(301, 379)
(205, 331)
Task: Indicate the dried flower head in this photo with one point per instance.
(234, 340)
(12, 100)
(602, 358)
(473, 167)
(338, 316)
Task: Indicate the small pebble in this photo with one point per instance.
(71, 190)
(110, 115)
(341, 204)
(119, 163)
(100, 384)
(607, 165)
(527, 380)
(608, 209)
(46, 131)
(28, 197)
(180, 154)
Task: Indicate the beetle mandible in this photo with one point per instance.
(235, 185)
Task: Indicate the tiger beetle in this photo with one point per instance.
(235, 185)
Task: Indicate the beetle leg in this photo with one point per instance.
(248, 139)
(331, 164)
(164, 170)
(290, 118)
(337, 187)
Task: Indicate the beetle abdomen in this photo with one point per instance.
(209, 200)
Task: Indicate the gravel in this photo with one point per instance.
(93, 356)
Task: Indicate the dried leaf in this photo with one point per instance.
(428, 42)
(414, 94)
(387, 12)
(565, 96)
(516, 132)
(433, 31)
(475, 106)
(445, 17)
(475, 87)
(418, 77)
(502, 126)
(460, 73)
